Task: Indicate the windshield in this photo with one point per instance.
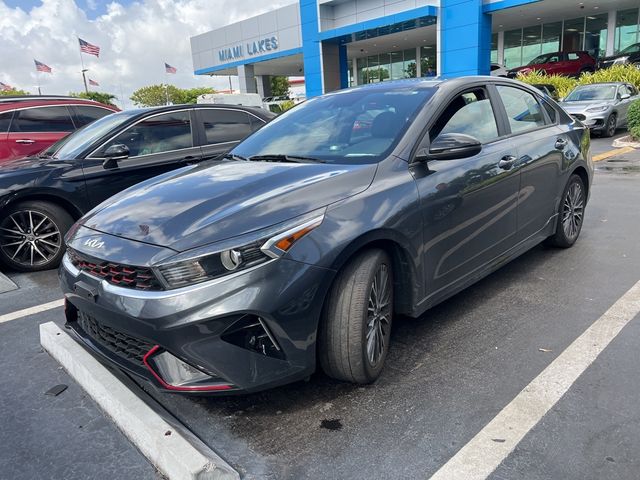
(592, 93)
(635, 48)
(354, 126)
(72, 145)
(545, 58)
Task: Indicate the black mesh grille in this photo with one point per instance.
(139, 278)
(121, 344)
(578, 116)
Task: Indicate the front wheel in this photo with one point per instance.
(574, 199)
(32, 236)
(355, 327)
(610, 126)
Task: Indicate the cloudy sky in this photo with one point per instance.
(135, 38)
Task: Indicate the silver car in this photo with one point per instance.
(602, 107)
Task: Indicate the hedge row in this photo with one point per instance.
(564, 85)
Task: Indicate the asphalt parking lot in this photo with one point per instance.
(448, 375)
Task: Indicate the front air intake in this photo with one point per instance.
(252, 333)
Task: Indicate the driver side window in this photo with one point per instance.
(157, 134)
(469, 113)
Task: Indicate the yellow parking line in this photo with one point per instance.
(611, 153)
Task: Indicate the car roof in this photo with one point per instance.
(261, 112)
(11, 102)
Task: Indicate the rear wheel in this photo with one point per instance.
(356, 325)
(32, 236)
(571, 214)
(610, 126)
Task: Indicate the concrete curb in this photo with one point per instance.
(627, 141)
(174, 455)
(6, 285)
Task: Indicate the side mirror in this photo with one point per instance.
(113, 154)
(451, 146)
(624, 96)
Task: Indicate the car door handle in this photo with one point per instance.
(507, 162)
(561, 143)
(191, 159)
(24, 140)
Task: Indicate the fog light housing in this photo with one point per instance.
(175, 374)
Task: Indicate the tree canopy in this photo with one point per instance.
(156, 95)
(13, 91)
(106, 98)
(279, 86)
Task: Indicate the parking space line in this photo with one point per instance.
(31, 311)
(484, 452)
(612, 153)
(174, 450)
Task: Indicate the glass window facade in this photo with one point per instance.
(626, 28)
(494, 48)
(387, 66)
(584, 33)
(595, 35)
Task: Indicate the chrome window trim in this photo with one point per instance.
(90, 156)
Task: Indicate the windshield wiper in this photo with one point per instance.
(233, 156)
(285, 158)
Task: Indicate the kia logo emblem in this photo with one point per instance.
(94, 243)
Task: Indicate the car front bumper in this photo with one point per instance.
(595, 121)
(249, 332)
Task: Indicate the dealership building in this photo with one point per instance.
(339, 43)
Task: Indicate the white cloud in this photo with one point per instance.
(135, 41)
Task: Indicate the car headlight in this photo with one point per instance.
(207, 263)
(600, 108)
(620, 60)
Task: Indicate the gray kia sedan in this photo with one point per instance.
(301, 246)
(601, 106)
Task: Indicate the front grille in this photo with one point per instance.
(578, 116)
(139, 278)
(121, 344)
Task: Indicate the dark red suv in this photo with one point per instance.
(30, 124)
(571, 64)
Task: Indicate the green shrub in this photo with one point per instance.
(616, 73)
(563, 84)
(633, 117)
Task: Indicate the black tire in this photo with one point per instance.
(570, 214)
(347, 320)
(610, 126)
(46, 244)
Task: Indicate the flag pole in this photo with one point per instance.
(84, 78)
(166, 85)
(38, 81)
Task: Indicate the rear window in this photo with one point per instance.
(86, 114)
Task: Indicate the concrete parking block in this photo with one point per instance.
(175, 453)
(6, 285)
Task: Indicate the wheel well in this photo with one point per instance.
(403, 272)
(582, 173)
(69, 207)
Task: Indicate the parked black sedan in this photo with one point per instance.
(41, 197)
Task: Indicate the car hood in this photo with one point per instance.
(23, 164)
(208, 204)
(576, 107)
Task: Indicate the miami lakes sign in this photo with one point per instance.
(251, 48)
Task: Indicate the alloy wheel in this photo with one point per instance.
(611, 126)
(378, 315)
(29, 238)
(572, 211)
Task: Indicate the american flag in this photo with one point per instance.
(4, 87)
(169, 69)
(94, 83)
(86, 47)
(41, 67)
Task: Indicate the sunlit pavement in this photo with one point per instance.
(448, 375)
